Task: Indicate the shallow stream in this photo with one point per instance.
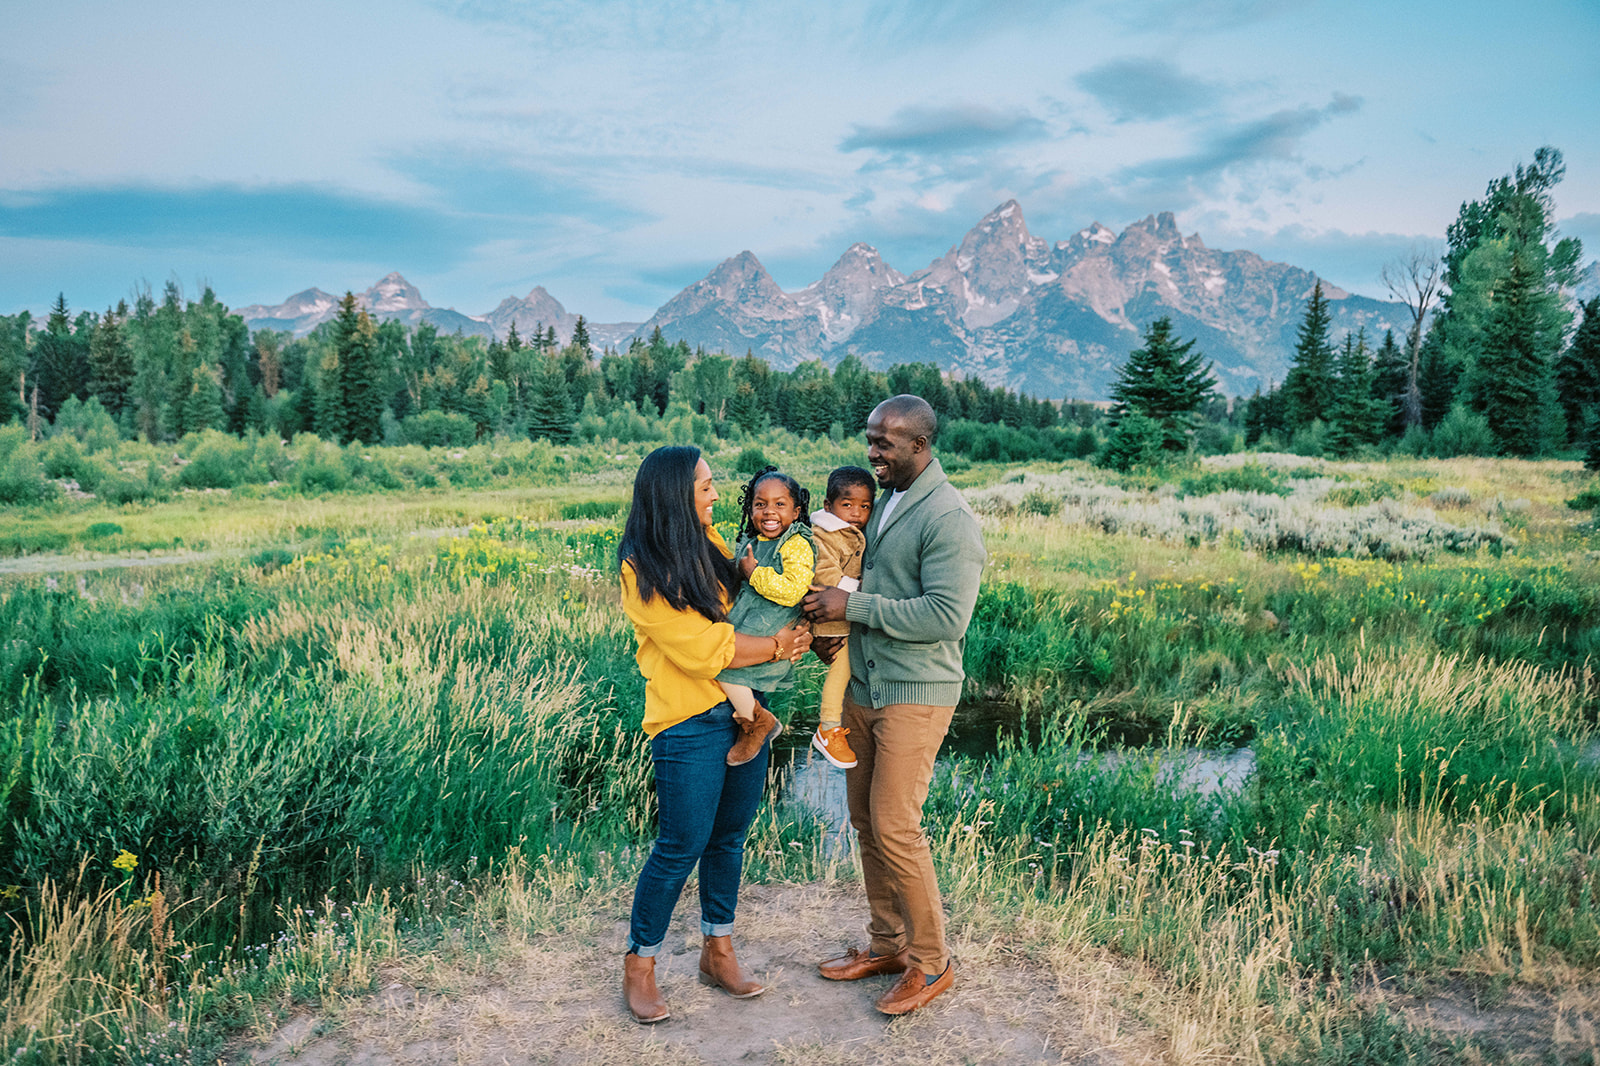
(975, 732)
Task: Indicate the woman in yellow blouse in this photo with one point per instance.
(678, 581)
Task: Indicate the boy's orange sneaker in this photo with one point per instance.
(834, 747)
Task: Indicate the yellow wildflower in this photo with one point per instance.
(125, 861)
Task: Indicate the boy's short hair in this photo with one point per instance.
(848, 477)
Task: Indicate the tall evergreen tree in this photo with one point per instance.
(580, 336)
(1510, 381)
(1308, 387)
(1391, 385)
(1164, 382)
(324, 383)
(745, 409)
(1578, 374)
(111, 361)
(1357, 417)
(363, 377)
(14, 333)
(550, 412)
(60, 361)
(1513, 223)
(202, 408)
(1437, 379)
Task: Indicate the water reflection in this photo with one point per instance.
(810, 780)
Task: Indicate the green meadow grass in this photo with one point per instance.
(238, 783)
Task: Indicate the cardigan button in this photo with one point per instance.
(872, 664)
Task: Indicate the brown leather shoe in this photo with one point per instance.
(754, 733)
(913, 990)
(719, 969)
(639, 989)
(856, 964)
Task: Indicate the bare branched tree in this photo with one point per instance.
(1414, 279)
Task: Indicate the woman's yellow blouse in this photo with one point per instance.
(680, 653)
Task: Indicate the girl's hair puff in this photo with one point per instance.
(747, 496)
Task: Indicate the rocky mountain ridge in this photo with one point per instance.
(1004, 305)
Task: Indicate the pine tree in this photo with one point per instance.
(202, 408)
(111, 361)
(1391, 378)
(327, 396)
(363, 377)
(60, 361)
(1510, 382)
(580, 336)
(1308, 387)
(745, 410)
(1578, 374)
(1512, 227)
(550, 412)
(1357, 418)
(1437, 379)
(1164, 382)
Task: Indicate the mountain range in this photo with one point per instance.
(1003, 305)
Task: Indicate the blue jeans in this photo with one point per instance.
(706, 807)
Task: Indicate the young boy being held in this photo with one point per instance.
(837, 530)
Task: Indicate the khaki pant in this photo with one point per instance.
(895, 747)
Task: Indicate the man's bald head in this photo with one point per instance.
(900, 434)
(914, 414)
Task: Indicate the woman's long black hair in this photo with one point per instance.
(671, 555)
(747, 499)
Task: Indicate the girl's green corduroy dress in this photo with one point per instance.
(758, 616)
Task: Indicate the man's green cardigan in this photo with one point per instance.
(919, 582)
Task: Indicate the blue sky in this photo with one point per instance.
(613, 151)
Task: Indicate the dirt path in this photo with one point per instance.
(555, 998)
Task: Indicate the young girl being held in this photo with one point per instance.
(776, 556)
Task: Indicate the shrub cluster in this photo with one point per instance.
(1258, 521)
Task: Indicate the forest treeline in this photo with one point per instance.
(1496, 362)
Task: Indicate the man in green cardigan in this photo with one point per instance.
(919, 582)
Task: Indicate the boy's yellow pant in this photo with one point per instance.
(834, 687)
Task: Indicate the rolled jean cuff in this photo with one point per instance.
(642, 951)
(715, 928)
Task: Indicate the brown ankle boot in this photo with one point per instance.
(720, 969)
(639, 989)
(753, 734)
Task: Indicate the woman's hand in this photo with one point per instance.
(790, 642)
(793, 641)
(747, 561)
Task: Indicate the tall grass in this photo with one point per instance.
(236, 785)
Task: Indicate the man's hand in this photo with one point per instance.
(825, 604)
(827, 648)
(747, 561)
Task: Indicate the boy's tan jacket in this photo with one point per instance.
(840, 547)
